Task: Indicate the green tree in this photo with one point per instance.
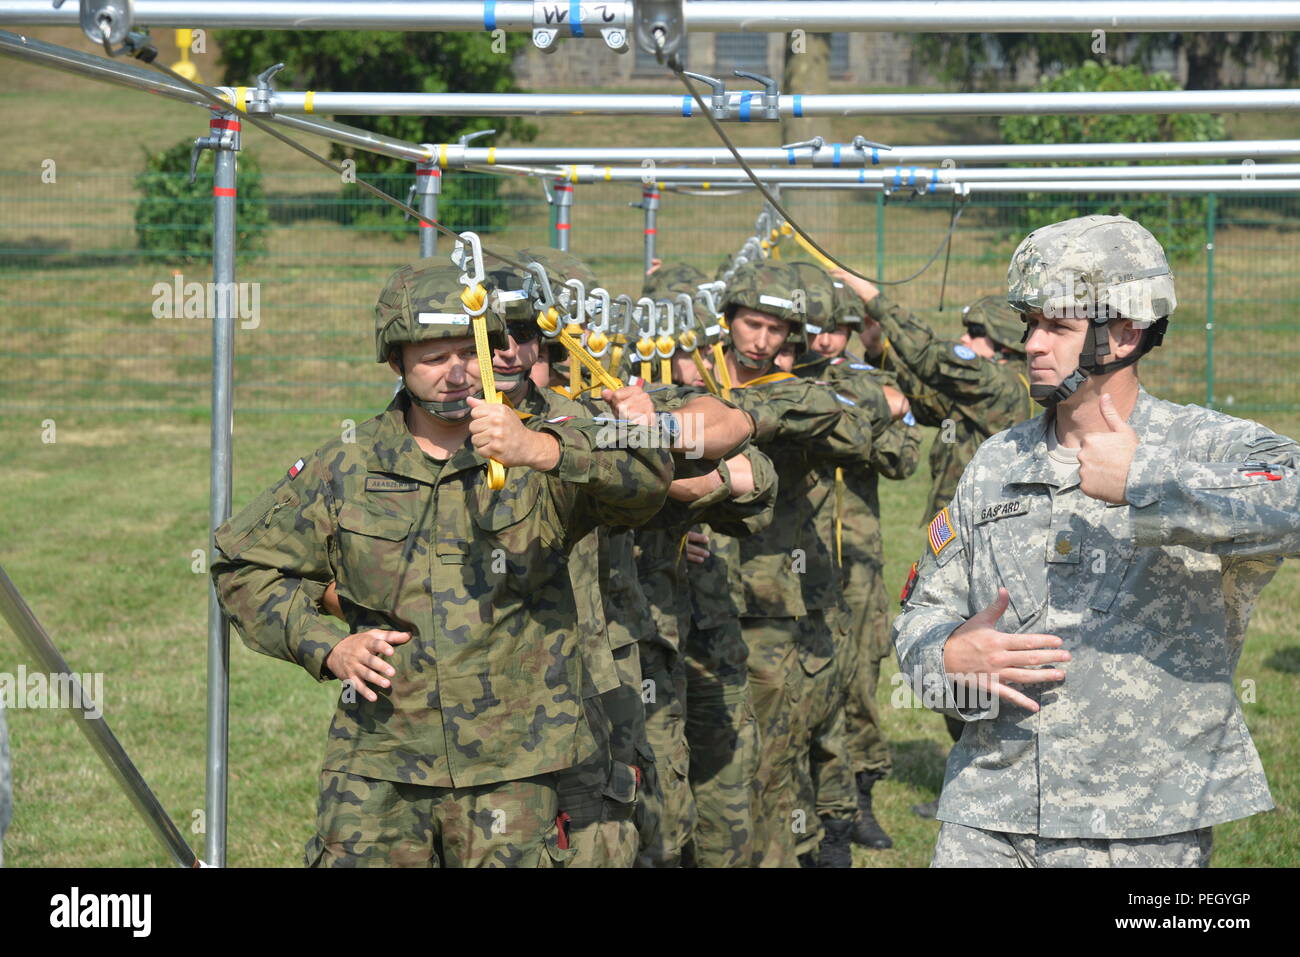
(417, 62)
(173, 217)
(1177, 220)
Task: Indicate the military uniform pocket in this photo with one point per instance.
(371, 550)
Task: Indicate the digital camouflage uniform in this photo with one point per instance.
(1145, 737)
(487, 701)
(967, 397)
(1143, 747)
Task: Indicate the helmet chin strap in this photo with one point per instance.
(1096, 346)
(755, 364)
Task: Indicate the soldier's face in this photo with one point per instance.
(512, 365)
(785, 358)
(443, 370)
(980, 345)
(684, 371)
(830, 344)
(1053, 347)
(758, 335)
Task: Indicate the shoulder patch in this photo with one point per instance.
(963, 351)
(909, 418)
(846, 400)
(558, 419)
(908, 586)
(861, 366)
(296, 467)
(941, 533)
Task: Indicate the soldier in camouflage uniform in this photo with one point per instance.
(895, 454)
(1084, 598)
(447, 753)
(790, 582)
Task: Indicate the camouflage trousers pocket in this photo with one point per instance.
(621, 792)
(556, 850)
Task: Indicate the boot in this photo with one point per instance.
(927, 810)
(835, 850)
(807, 860)
(866, 830)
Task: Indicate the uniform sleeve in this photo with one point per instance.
(938, 604)
(1243, 502)
(609, 473)
(808, 415)
(948, 367)
(896, 453)
(271, 569)
(743, 515)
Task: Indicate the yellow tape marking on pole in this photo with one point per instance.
(309, 101)
(241, 98)
(442, 155)
(492, 155)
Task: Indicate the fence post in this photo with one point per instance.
(880, 235)
(1210, 215)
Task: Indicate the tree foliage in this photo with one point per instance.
(378, 62)
(173, 217)
(1177, 220)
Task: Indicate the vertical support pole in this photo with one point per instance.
(428, 185)
(880, 235)
(563, 206)
(225, 139)
(650, 203)
(1211, 212)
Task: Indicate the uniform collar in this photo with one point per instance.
(1033, 466)
(395, 452)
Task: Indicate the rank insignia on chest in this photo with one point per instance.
(1063, 546)
(941, 533)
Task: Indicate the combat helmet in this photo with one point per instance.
(419, 303)
(993, 318)
(1097, 268)
(776, 289)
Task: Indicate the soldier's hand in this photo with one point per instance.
(1105, 457)
(497, 433)
(865, 289)
(356, 659)
(976, 653)
(742, 475)
(631, 403)
(330, 600)
(898, 404)
(655, 263)
(697, 547)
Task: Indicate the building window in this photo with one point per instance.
(839, 65)
(739, 51)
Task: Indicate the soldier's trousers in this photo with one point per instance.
(722, 730)
(599, 796)
(665, 700)
(869, 627)
(776, 683)
(367, 822)
(824, 779)
(961, 846)
(615, 842)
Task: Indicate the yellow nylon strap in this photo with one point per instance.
(710, 383)
(839, 515)
(309, 101)
(812, 251)
(767, 379)
(474, 299)
(724, 373)
(666, 371)
(884, 351)
(615, 356)
(647, 371)
(681, 547)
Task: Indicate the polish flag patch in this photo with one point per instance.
(295, 468)
(558, 419)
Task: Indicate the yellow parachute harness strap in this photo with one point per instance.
(767, 379)
(812, 251)
(549, 321)
(724, 373)
(689, 342)
(574, 332)
(681, 547)
(884, 351)
(475, 300)
(309, 102)
(839, 515)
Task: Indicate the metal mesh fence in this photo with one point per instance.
(89, 322)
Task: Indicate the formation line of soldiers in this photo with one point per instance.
(581, 618)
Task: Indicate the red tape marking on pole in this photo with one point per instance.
(215, 124)
(222, 191)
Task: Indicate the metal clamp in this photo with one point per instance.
(816, 143)
(771, 93)
(259, 100)
(224, 140)
(661, 29)
(468, 255)
(718, 101)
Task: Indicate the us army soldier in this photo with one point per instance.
(1083, 601)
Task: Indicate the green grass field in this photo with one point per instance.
(97, 529)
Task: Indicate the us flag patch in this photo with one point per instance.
(941, 532)
(295, 468)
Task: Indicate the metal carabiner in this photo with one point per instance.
(468, 255)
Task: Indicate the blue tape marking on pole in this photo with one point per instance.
(790, 156)
(575, 18)
(798, 104)
(835, 158)
(686, 106)
(898, 176)
(911, 177)
(875, 156)
(743, 116)
(930, 188)
(489, 15)
(862, 176)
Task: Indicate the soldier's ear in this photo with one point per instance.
(395, 362)
(1124, 338)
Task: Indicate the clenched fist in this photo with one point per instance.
(497, 433)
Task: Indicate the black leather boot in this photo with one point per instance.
(834, 850)
(866, 829)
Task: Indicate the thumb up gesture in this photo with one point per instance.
(1105, 457)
